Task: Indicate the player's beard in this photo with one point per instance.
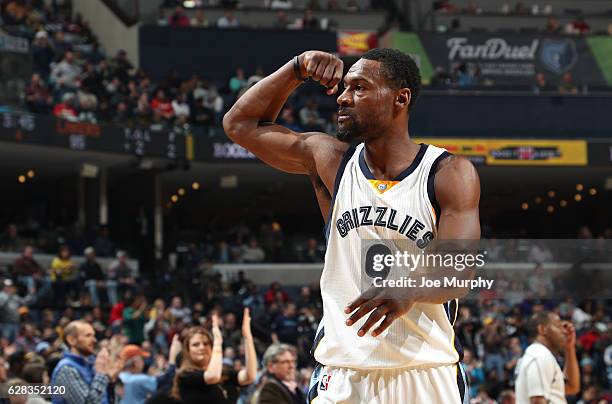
(355, 129)
(346, 133)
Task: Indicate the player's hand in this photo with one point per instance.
(246, 324)
(323, 67)
(570, 335)
(382, 305)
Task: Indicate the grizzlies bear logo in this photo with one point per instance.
(558, 56)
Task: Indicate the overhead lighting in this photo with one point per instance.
(195, 186)
(30, 173)
(563, 203)
(524, 206)
(550, 209)
(21, 179)
(189, 4)
(551, 194)
(181, 191)
(538, 200)
(174, 198)
(579, 187)
(592, 191)
(89, 170)
(577, 197)
(229, 181)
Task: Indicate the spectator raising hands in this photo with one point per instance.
(201, 365)
(248, 374)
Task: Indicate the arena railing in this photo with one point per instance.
(8, 258)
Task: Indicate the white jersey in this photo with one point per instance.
(538, 374)
(364, 208)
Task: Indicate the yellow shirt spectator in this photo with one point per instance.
(62, 269)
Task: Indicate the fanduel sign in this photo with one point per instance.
(495, 59)
(491, 49)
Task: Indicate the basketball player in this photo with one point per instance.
(539, 379)
(386, 187)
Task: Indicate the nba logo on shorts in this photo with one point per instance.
(325, 379)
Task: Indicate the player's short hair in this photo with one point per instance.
(399, 69)
(276, 350)
(541, 318)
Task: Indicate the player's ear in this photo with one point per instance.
(403, 98)
(542, 329)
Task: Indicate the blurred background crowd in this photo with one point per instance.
(75, 79)
(125, 307)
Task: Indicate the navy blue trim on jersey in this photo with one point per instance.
(345, 159)
(447, 311)
(458, 348)
(316, 341)
(315, 379)
(462, 384)
(415, 163)
(431, 192)
(451, 309)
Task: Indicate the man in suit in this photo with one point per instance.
(280, 385)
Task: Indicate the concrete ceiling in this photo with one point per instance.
(500, 185)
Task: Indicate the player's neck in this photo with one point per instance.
(388, 156)
(541, 340)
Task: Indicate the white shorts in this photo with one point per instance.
(437, 385)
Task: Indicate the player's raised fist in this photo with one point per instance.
(323, 67)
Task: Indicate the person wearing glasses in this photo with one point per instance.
(280, 385)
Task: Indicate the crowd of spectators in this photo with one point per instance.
(241, 244)
(576, 25)
(179, 18)
(468, 75)
(139, 329)
(493, 338)
(74, 79)
(135, 321)
(48, 239)
(134, 358)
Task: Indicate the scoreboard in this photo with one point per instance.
(140, 141)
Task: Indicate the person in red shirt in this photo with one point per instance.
(37, 95)
(116, 315)
(178, 18)
(65, 109)
(588, 339)
(162, 105)
(579, 26)
(276, 294)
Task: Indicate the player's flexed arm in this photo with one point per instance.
(250, 122)
(457, 190)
